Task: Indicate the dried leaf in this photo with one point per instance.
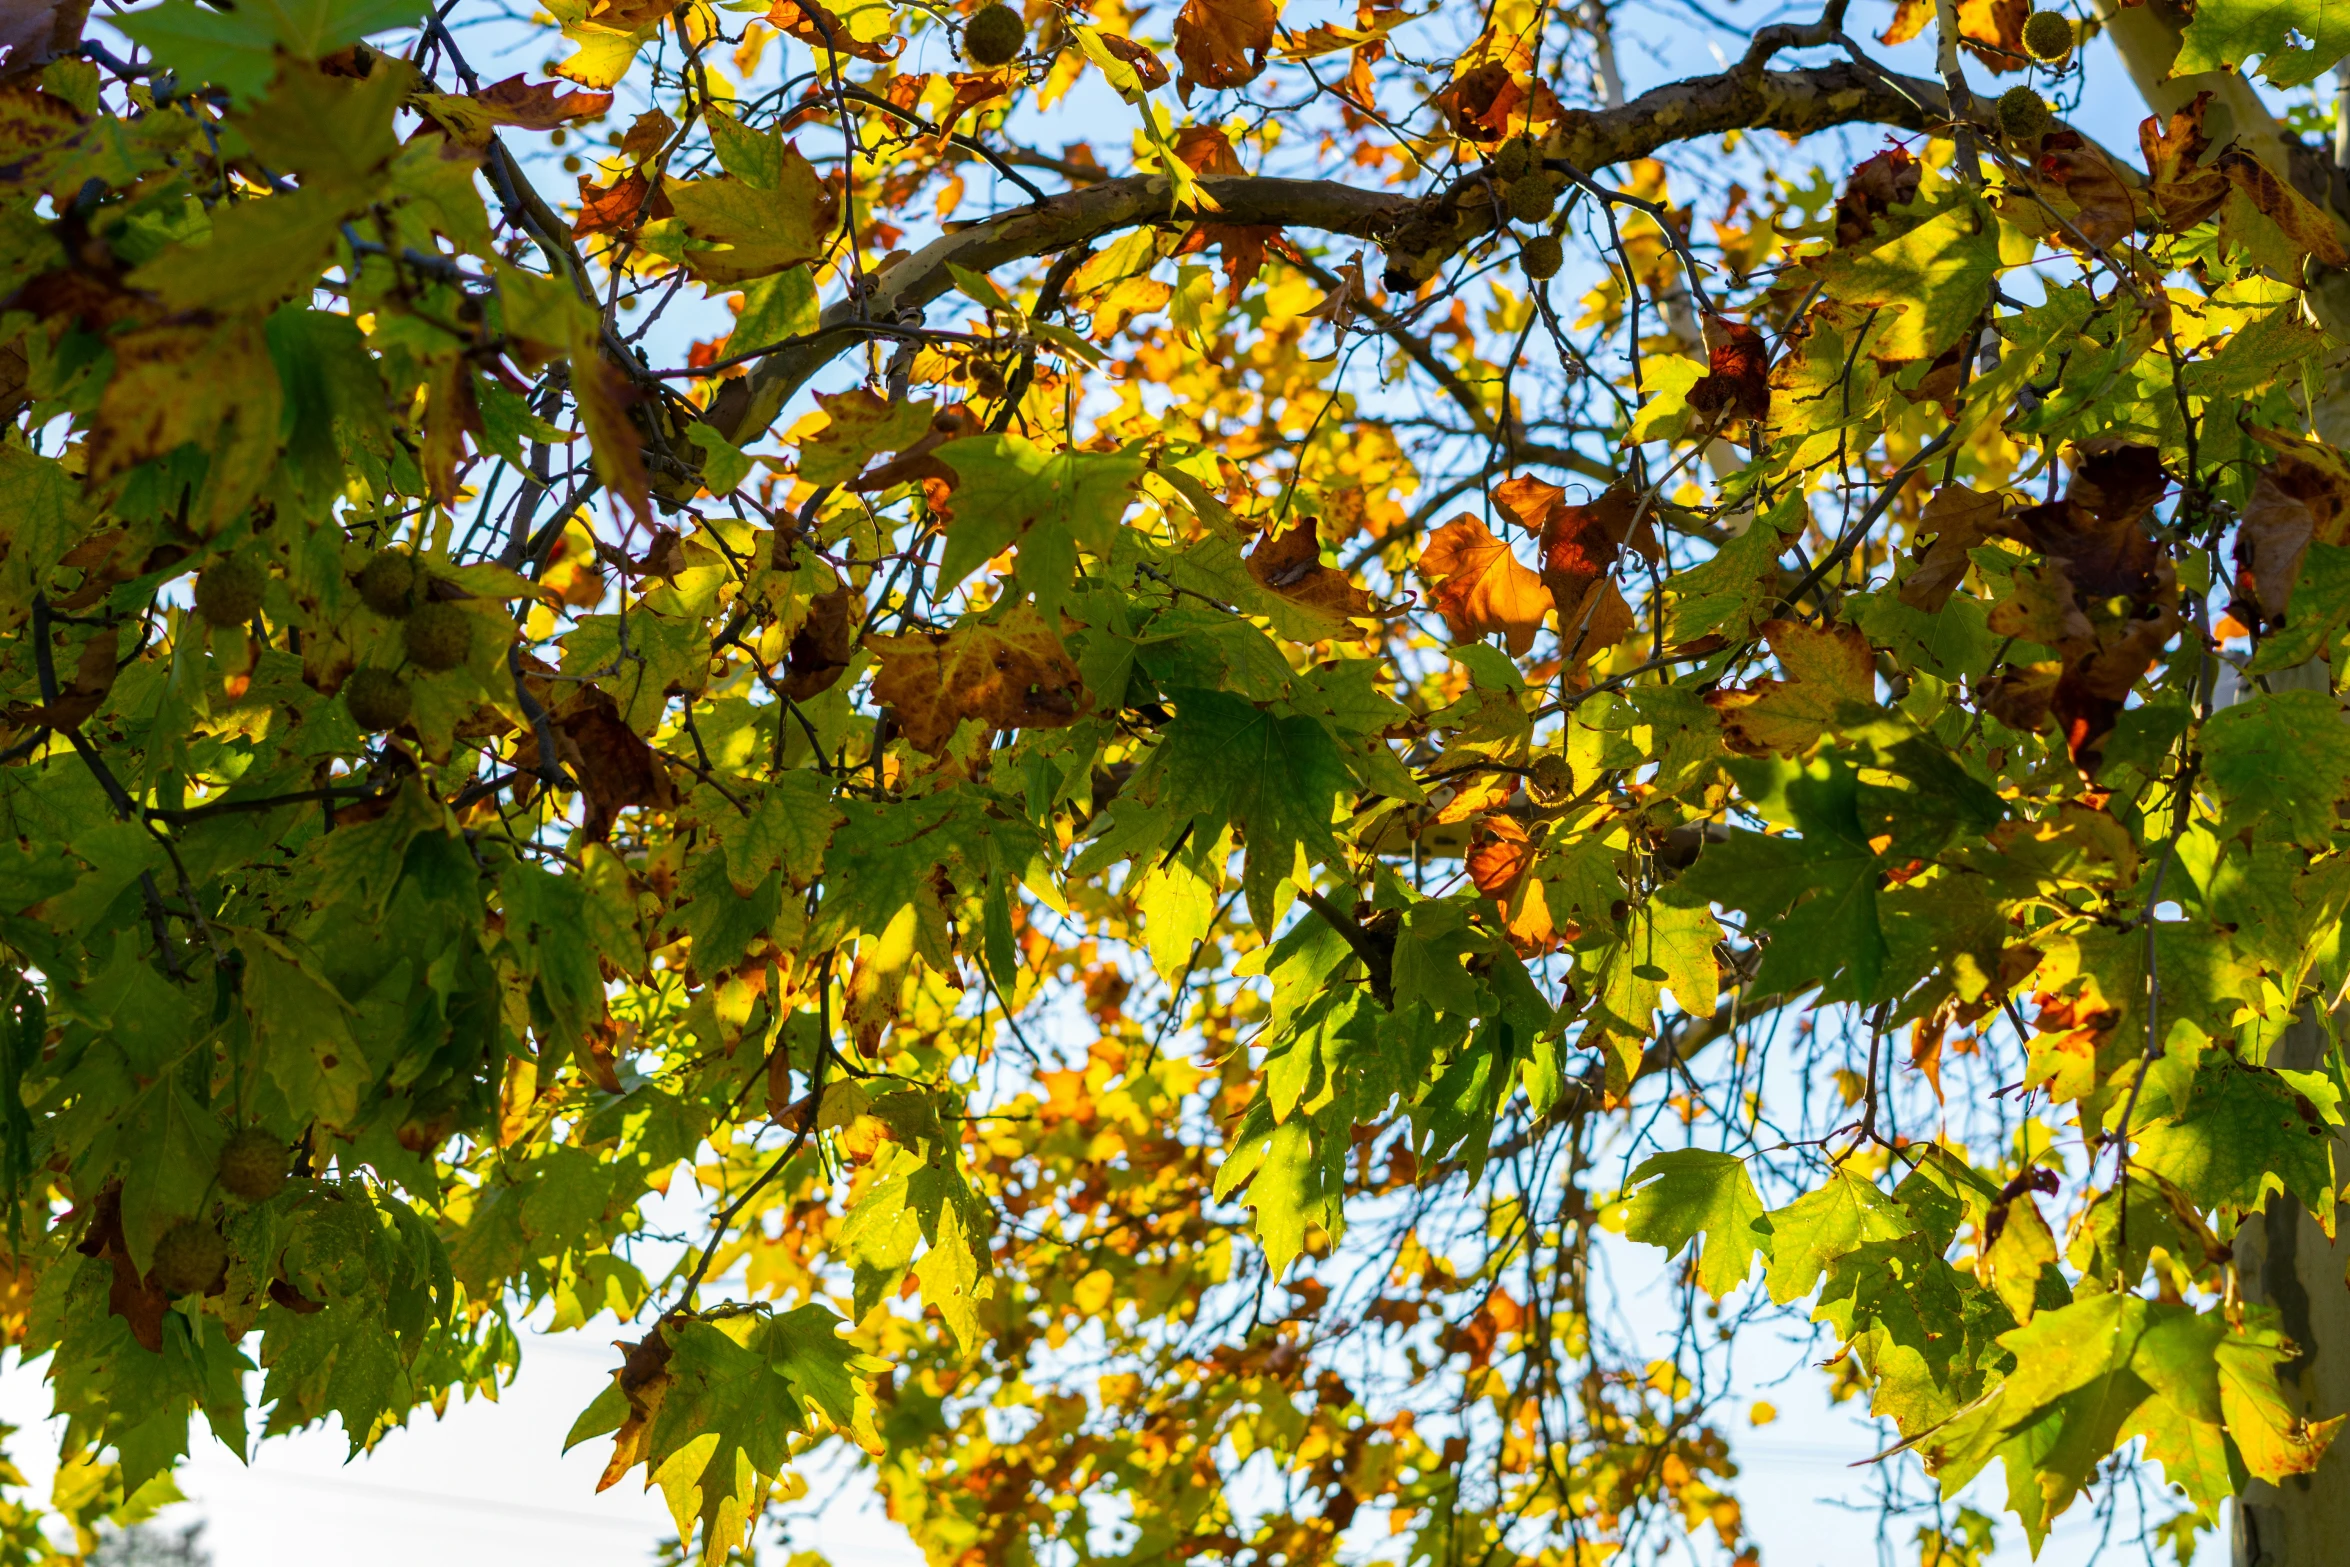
(1480, 588)
(1013, 674)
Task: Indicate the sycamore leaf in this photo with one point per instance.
(1009, 674)
(1690, 1192)
(1480, 588)
(759, 230)
(2245, 1131)
(1277, 779)
(1009, 491)
(1222, 43)
(1931, 281)
(2296, 40)
(2280, 761)
(239, 49)
(1820, 1226)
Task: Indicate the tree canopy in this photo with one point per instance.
(1185, 715)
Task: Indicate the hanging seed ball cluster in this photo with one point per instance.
(2048, 36)
(228, 592)
(995, 36)
(2024, 115)
(435, 634)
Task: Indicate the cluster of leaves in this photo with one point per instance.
(1141, 911)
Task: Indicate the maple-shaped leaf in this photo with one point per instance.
(819, 27)
(1222, 43)
(769, 222)
(2280, 762)
(710, 1409)
(1834, 683)
(860, 424)
(2244, 1132)
(1480, 588)
(1011, 491)
(2316, 612)
(2295, 40)
(1011, 674)
(1931, 281)
(1680, 1195)
(1275, 778)
(618, 208)
(2278, 225)
(1955, 520)
(1811, 1232)
(1990, 30)
(241, 49)
(1814, 895)
(2184, 191)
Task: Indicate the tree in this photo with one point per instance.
(1177, 842)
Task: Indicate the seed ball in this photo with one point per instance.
(1530, 198)
(188, 1258)
(2048, 35)
(254, 1165)
(1541, 256)
(377, 698)
(228, 592)
(387, 583)
(1510, 160)
(439, 636)
(2024, 115)
(995, 36)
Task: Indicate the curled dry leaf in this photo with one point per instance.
(1737, 380)
(1954, 521)
(1832, 676)
(1013, 674)
(2301, 498)
(1290, 563)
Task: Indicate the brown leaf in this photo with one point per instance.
(816, 26)
(2121, 582)
(1875, 187)
(1479, 587)
(646, 136)
(2104, 211)
(1205, 149)
(1501, 862)
(1479, 101)
(1581, 545)
(1990, 30)
(2310, 228)
(128, 1296)
(2303, 496)
(1148, 67)
(1736, 384)
(81, 696)
(619, 207)
(1291, 565)
(1958, 519)
(1222, 43)
(821, 648)
(645, 1381)
(1013, 674)
(539, 106)
(1243, 246)
(2183, 192)
(614, 765)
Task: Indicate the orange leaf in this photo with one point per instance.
(1012, 675)
(1222, 43)
(819, 28)
(537, 106)
(1291, 565)
(1479, 586)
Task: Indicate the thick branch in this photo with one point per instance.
(1795, 103)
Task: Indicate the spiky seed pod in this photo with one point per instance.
(995, 36)
(188, 1258)
(439, 635)
(387, 583)
(1510, 160)
(228, 592)
(2024, 115)
(2048, 35)
(254, 1165)
(377, 698)
(1542, 256)
(1530, 198)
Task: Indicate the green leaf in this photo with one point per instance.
(2319, 607)
(1276, 779)
(1011, 491)
(1932, 280)
(239, 49)
(1814, 895)
(1814, 1230)
(1688, 1192)
(2280, 760)
(2226, 34)
(2244, 1132)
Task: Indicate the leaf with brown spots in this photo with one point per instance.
(2301, 498)
(819, 27)
(619, 207)
(1832, 679)
(1013, 674)
(613, 764)
(821, 648)
(1290, 564)
(2307, 228)
(2183, 192)
(1479, 587)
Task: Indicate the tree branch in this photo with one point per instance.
(1794, 103)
